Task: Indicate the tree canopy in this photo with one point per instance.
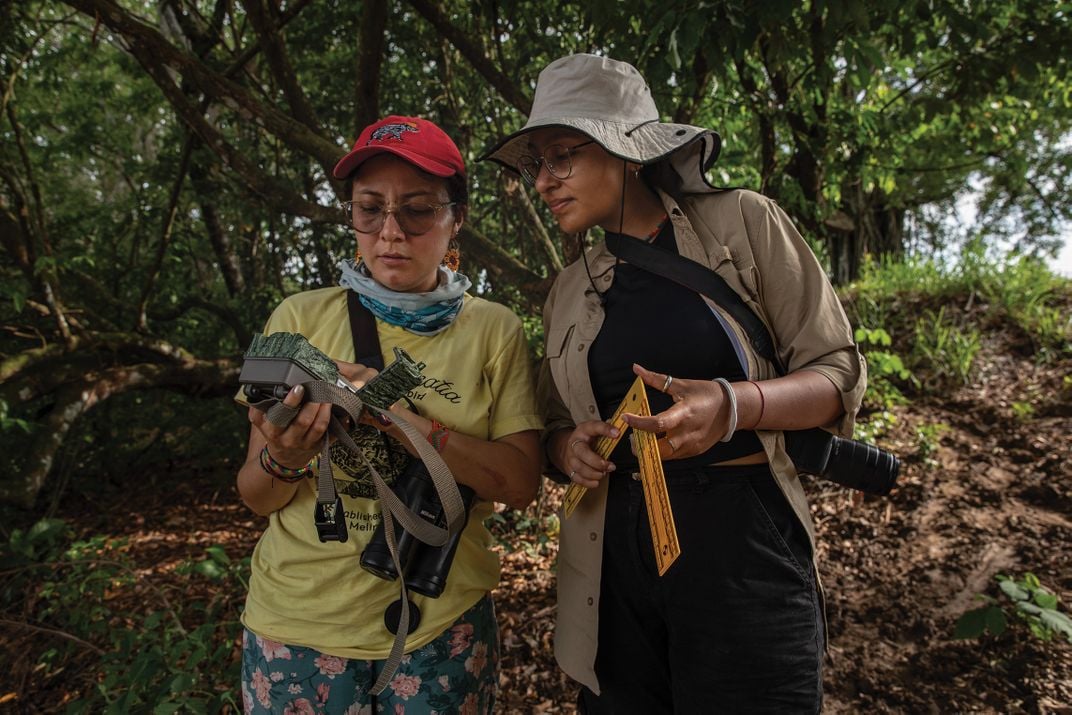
(165, 167)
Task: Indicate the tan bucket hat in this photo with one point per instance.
(609, 101)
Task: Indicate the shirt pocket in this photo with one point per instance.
(558, 339)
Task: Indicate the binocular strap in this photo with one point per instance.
(391, 506)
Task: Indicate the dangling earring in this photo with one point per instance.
(636, 172)
(452, 258)
(357, 255)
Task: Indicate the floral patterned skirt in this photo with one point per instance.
(457, 672)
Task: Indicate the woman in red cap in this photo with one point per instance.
(319, 628)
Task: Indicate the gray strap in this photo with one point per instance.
(442, 478)
(281, 415)
(391, 507)
(398, 647)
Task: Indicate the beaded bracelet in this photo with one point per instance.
(286, 474)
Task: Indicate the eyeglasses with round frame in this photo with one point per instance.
(556, 157)
(414, 218)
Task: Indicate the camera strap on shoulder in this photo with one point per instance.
(700, 279)
(363, 332)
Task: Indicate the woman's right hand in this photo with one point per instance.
(574, 454)
(296, 444)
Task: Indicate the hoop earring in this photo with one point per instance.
(452, 258)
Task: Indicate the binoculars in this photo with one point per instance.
(425, 567)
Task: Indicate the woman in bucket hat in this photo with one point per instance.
(316, 632)
(736, 622)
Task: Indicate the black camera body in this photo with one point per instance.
(425, 567)
(845, 461)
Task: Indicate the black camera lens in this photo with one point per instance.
(847, 462)
(862, 466)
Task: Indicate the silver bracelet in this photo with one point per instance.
(732, 397)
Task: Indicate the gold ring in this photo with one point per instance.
(572, 472)
(666, 385)
(574, 442)
(673, 447)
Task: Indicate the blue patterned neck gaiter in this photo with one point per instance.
(420, 313)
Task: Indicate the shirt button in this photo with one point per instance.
(593, 536)
(591, 409)
(591, 600)
(580, 347)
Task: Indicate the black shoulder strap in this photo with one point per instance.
(699, 278)
(363, 329)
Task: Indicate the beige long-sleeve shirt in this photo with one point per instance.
(750, 242)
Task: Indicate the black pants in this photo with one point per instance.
(734, 625)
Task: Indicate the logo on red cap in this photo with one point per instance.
(391, 131)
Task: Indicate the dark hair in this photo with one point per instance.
(458, 189)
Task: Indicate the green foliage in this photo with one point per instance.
(944, 350)
(886, 278)
(884, 368)
(1023, 411)
(927, 439)
(12, 424)
(168, 655)
(533, 531)
(878, 424)
(1031, 603)
(1030, 294)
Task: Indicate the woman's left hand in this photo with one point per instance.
(698, 418)
(356, 373)
(359, 375)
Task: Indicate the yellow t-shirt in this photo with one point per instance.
(477, 381)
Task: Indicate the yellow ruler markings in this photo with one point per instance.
(634, 400)
(660, 515)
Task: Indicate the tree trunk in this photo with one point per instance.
(868, 225)
(203, 378)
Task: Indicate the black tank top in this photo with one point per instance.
(667, 328)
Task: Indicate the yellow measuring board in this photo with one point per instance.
(660, 515)
(636, 402)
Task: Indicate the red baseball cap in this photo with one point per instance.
(418, 141)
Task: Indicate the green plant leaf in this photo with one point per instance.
(972, 624)
(1058, 622)
(209, 569)
(218, 554)
(1014, 591)
(995, 620)
(1028, 607)
(182, 682)
(1045, 599)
